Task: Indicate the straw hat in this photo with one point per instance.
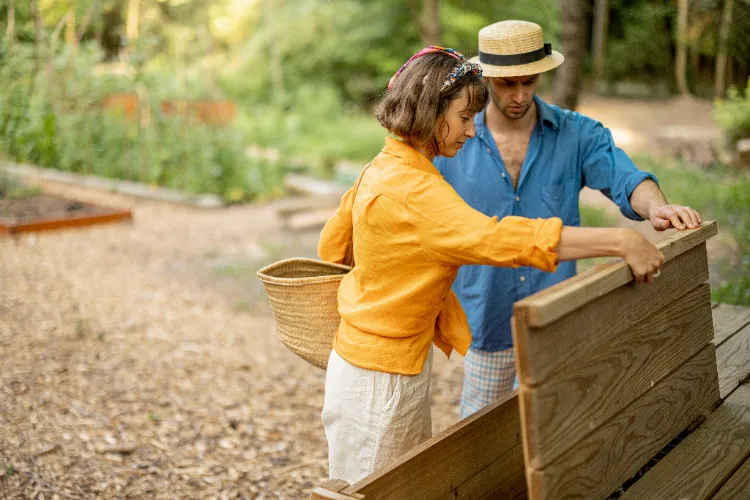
(515, 48)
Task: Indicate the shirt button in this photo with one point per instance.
(518, 198)
(503, 175)
(523, 278)
(489, 150)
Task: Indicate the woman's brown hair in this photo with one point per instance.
(410, 109)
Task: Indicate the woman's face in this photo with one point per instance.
(455, 125)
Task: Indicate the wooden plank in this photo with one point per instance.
(42, 224)
(737, 485)
(503, 478)
(699, 465)
(595, 383)
(540, 351)
(555, 302)
(728, 320)
(733, 361)
(438, 466)
(321, 493)
(604, 459)
(335, 485)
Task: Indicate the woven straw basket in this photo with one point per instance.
(303, 300)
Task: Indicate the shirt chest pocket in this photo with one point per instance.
(557, 201)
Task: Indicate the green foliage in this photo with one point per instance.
(596, 217)
(639, 46)
(311, 94)
(55, 119)
(719, 194)
(733, 113)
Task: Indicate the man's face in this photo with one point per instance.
(513, 96)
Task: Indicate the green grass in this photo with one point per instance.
(596, 217)
(718, 193)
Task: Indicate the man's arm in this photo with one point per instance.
(609, 169)
(650, 203)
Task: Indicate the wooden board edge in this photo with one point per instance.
(321, 493)
(728, 423)
(467, 426)
(699, 331)
(737, 483)
(721, 316)
(508, 470)
(541, 485)
(78, 221)
(542, 307)
(732, 377)
(540, 354)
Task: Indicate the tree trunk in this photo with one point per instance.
(680, 65)
(574, 35)
(721, 58)
(134, 11)
(11, 28)
(601, 23)
(430, 22)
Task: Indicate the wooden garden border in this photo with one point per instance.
(50, 223)
(482, 456)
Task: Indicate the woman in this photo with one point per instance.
(411, 232)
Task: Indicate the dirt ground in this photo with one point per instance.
(139, 360)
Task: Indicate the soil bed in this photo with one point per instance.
(44, 206)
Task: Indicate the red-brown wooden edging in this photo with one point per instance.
(49, 223)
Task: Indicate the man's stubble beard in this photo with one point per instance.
(493, 101)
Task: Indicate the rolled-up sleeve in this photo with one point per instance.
(608, 168)
(453, 233)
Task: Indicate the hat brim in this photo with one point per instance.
(548, 63)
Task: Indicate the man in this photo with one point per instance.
(531, 159)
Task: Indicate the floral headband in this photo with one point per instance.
(463, 68)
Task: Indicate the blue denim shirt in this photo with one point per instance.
(566, 152)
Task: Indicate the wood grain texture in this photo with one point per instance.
(733, 361)
(334, 485)
(503, 478)
(728, 320)
(555, 302)
(437, 467)
(541, 351)
(320, 493)
(703, 462)
(595, 383)
(604, 459)
(737, 485)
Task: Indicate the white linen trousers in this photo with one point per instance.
(371, 418)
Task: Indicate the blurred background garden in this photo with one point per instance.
(140, 360)
(226, 96)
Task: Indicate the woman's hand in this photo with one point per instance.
(643, 258)
(582, 242)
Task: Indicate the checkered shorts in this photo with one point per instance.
(487, 377)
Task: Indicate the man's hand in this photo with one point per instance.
(677, 216)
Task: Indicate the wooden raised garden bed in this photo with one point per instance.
(44, 212)
(634, 392)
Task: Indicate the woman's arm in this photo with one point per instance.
(581, 242)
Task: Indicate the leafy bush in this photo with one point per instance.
(639, 46)
(51, 115)
(733, 113)
(719, 194)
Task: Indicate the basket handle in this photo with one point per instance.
(349, 256)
